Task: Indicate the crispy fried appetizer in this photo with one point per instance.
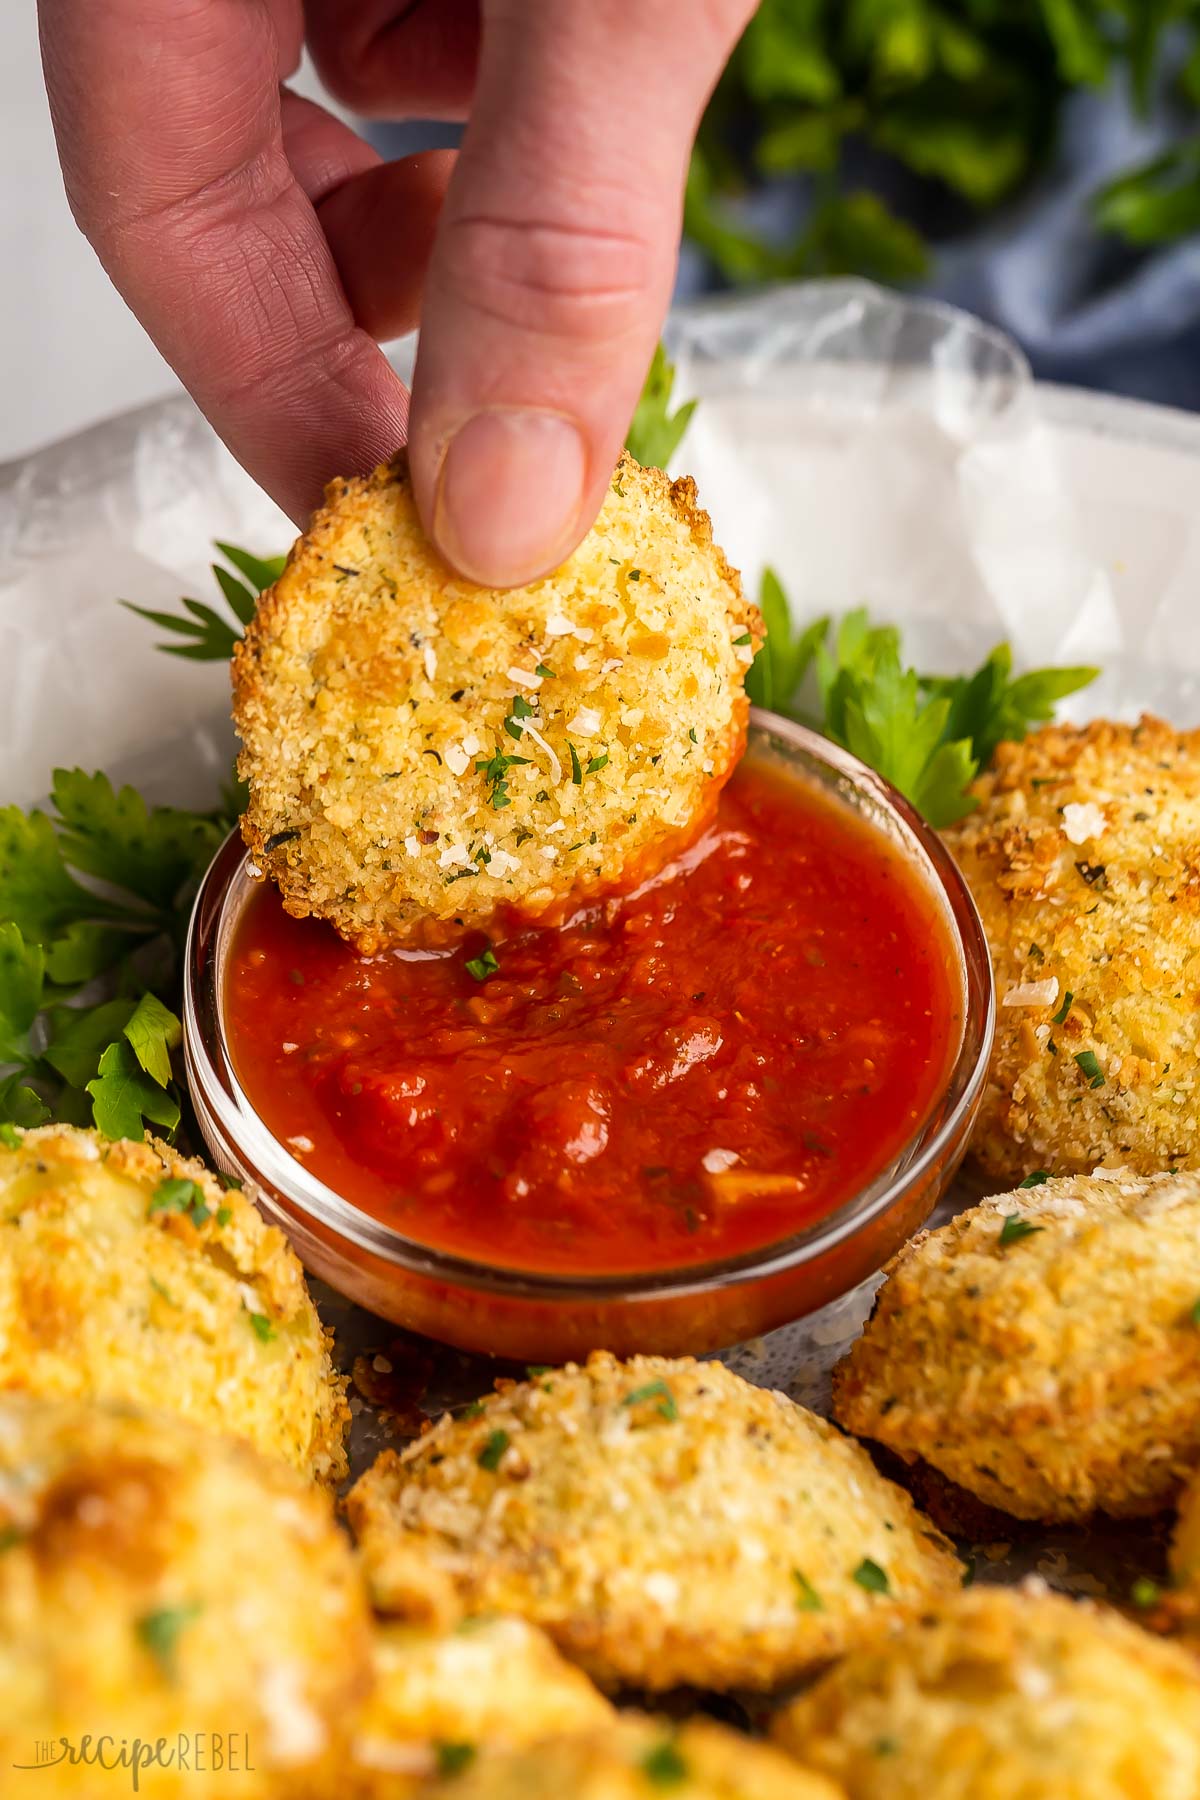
(639, 1759)
(157, 1580)
(422, 753)
(1041, 1350)
(1183, 1602)
(1084, 860)
(664, 1521)
(129, 1273)
(444, 1696)
(1006, 1695)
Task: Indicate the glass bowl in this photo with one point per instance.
(552, 1318)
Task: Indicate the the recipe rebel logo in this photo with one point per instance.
(210, 1753)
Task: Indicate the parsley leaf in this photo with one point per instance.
(151, 853)
(453, 1757)
(1037, 1178)
(124, 1096)
(261, 1326)
(207, 635)
(870, 1576)
(179, 1195)
(153, 1032)
(655, 432)
(1089, 1065)
(496, 1444)
(658, 1391)
(159, 1633)
(664, 1766)
(807, 1597)
(484, 966)
(1015, 1228)
(22, 974)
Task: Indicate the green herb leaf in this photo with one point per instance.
(22, 976)
(1037, 1178)
(1015, 1228)
(483, 967)
(1060, 1017)
(151, 853)
(494, 1448)
(1145, 1594)
(576, 766)
(656, 432)
(664, 1766)
(159, 1632)
(21, 1104)
(869, 1575)
(1090, 1066)
(658, 1391)
(807, 1597)
(179, 1195)
(10, 1137)
(261, 1326)
(452, 1758)
(153, 1032)
(124, 1096)
(207, 635)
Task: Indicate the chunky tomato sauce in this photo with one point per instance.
(686, 1073)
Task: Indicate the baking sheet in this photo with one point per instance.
(874, 450)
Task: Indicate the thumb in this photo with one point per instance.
(553, 268)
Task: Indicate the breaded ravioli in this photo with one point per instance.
(664, 1521)
(637, 1758)
(1084, 860)
(487, 1684)
(423, 754)
(1041, 1350)
(127, 1272)
(1006, 1695)
(159, 1582)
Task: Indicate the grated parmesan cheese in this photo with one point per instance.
(430, 660)
(526, 678)
(1083, 820)
(586, 722)
(457, 760)
(1032, 993)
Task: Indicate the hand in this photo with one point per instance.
(266, 248)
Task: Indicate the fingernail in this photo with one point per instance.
(509, 495)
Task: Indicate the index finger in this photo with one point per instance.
(169, 127)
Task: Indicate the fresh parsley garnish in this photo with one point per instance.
(929, 735)
(657, 1391)
(807, 1597)
(159, 1632)
(1145, 1593)
(178, 1195)
(1060, 1017)
(870, 1576)
(655, 432)
(206, 635)
(484, 966)
(1037, 1178)
(596, 763)
(576, 766)
(1015, 1228)
(10, 1137)
(664, 1766)
(261, 1326)
(496, 1444)
(1089, 1065)
(452, 1758)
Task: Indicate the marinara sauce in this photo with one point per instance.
(683, 1074)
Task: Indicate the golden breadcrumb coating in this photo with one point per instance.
(381, 701)
(1183, 1602)
(665, 1521)
(116, 1287)
(488, 1684)
(155, 1581)
(1041, 1349)
(637, 1758)
(1084, 860)
(1007, 1695)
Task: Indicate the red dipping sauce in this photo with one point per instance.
(675, 1077)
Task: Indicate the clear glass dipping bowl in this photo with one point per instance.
(551, 1318)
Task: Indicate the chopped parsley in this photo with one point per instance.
(1038, 1177)
(545, 673)
(494, 770)
(870, 1576)
(664, 1766)
(179, 1195)
(692, 735)
(1015, 1228)
(10, 1137)
(452, 1758)
(807, 1597)
(489, 1457)
(1145, 1593)
(654, 1390)
(1037, 953)
(1060, 1017)
(1090, 1066)
(261, 1326)
(744, 639)
(224, 1214)
(596, 763)
(576, 766)
(482, 968)
(159, 1633)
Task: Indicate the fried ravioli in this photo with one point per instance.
(640, 1759)
(423, 754)
(1006, 1695)
(664, 1521)
(1041, 1350)
(127, 1272)
(486, 1685)
(159, 1582)
(1084, 860)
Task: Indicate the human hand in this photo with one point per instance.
(265, 247)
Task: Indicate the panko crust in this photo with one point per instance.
(1084, 860)
(159, 1580)
(490, 1684)
(374, 682)
(106, 1294)
(1054, 1375)
(638, 1758)
(664, 1521)
(1004, 1694)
